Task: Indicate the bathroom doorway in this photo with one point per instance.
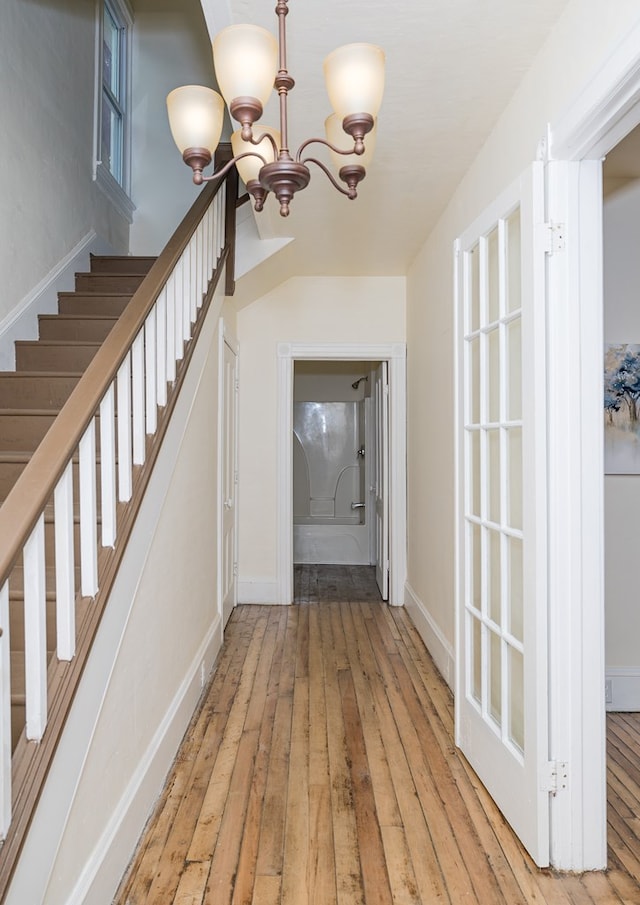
(316, 508)
(335, 463)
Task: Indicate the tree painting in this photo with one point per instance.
(622, 408)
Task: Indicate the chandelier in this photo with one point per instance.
(249, 63)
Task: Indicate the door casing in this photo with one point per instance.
(396, 355)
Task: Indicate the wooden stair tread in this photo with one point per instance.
(58, 342)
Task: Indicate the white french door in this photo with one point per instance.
(229, 480)
(501, 520)
(381, 484)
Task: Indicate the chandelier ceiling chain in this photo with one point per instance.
(249, 65)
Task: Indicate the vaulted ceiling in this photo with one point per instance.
(452, 66)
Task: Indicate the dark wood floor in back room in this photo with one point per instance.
(321, 769)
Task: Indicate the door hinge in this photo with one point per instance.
(554, 776)
(235, 569)
(553, 235)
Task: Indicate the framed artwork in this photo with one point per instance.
(622, 408)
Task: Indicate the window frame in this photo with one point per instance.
(116, 186)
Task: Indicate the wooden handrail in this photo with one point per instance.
(31, 492)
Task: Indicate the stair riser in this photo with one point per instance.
(49, 391)
(24, 432)
(121, 264)
(108, 282)
(16, 624)
(11, 471)
(78, 330)
(31, 356)
(106, 305)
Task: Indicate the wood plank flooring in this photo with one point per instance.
(321, 770)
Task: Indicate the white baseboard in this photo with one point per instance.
(435, 642)
(258, 591)
(22, 321)
(625, 688)
(120, 837)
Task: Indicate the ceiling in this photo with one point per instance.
(451, 67)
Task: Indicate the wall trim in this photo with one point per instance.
(396, 355)
(434, 640)
(259, 590)
(604, 111)
(22, 321)
(625, 688)
(121, 834)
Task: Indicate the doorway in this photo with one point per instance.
(394, 357)
(621, 321)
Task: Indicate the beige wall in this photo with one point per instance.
(48, 201)
(171, 48)
(583, 38)
(303, 309)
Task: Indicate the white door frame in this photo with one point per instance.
(396, 355)
(605, 111)
(226, 336)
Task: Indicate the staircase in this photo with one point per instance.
(47, 370)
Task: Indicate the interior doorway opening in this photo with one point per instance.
(389, 510)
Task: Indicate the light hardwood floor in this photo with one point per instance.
(321, 769)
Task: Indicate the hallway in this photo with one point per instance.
(321, 769)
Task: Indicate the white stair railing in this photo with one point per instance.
(113, 408)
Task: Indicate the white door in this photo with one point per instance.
(229, 478)
(501, 642)
(381, 484)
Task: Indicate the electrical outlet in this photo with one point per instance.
(608, 692)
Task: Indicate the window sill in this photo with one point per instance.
(114, 192)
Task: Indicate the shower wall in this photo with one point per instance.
(327, 469)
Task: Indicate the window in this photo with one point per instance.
(112, 126)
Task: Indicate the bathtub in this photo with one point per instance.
(342, 541)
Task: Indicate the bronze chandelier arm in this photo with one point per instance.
(350, 192)
(256, 141)
(326, 144)
(199, 179)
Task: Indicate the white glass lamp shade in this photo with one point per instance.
(195, 117)
(245, 58)
(249, 167)
(354, 75)
(339, 138)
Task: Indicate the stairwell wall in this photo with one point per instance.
(154, 650)
(48, 200)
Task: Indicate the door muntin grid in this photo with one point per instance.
(493, 480)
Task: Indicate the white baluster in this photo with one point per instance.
(186, 293)
(161, 354)
(179, 302)
(199, 253)
(108, 467)
(88, 513)
(210, 243)
(139, 432)
(5, 717)
(65, 565)
(125, 480)
(171, 328)
(193, 297)
(150, 350)
(35, 633)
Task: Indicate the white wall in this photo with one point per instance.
(581, 41)
(622, 492)
(48, 201)
(155, 647)
(171, 48)
(311, 309)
